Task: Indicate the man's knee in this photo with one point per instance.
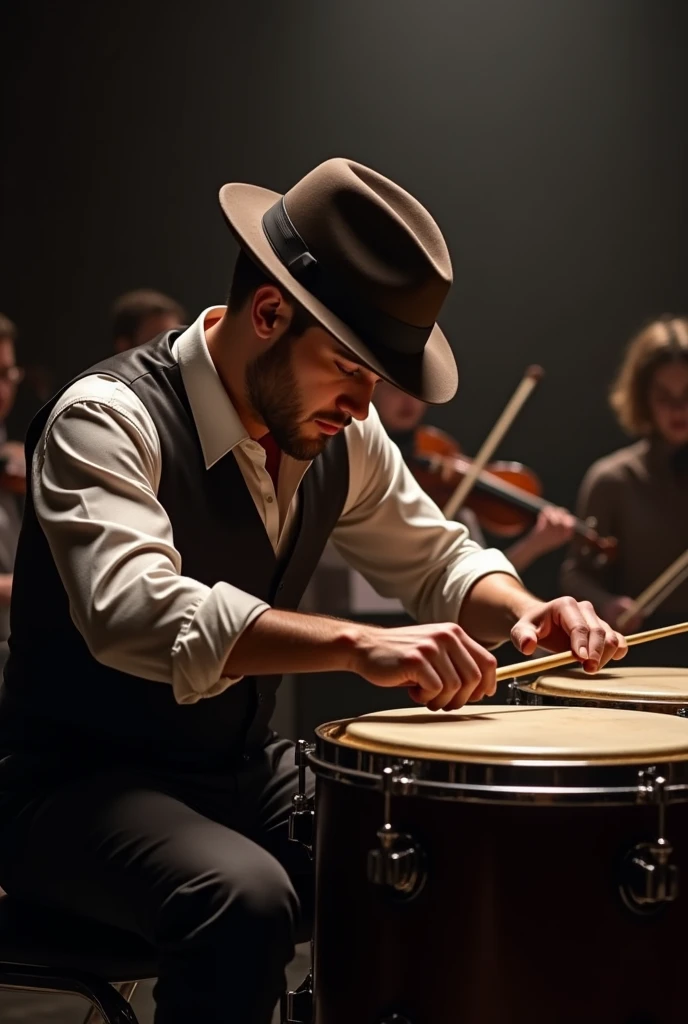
(249, 902)
(265, 895)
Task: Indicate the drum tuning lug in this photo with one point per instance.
(514, 693)
(297, 1005)
(302, 813)
(301, 822)
(649, 878)
(397, 863)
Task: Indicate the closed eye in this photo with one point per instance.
(347, 373)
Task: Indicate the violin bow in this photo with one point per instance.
(531, 378)
(659, 590)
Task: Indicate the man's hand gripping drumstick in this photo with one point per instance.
(554, 661)
(444, 665)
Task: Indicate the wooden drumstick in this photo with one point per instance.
(531, 378)
(552, 661)
(665, 583)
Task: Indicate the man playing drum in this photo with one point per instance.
(182, 494)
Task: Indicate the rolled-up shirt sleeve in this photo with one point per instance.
(95, 477)
(395, 535)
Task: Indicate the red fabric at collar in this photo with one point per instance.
(273, 456)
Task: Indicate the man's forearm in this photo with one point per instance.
(281, 641)
(493, 606)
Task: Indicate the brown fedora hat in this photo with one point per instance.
(365, 259)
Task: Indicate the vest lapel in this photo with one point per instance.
(224, 496)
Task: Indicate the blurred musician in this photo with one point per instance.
(402, 414)
(640, 493)
(139, 316)
(12, 469)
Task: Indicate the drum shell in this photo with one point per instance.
(520, 918)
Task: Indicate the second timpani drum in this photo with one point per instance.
(635, 689)
(501, 865)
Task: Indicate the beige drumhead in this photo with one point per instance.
(497, 733)
(666, 685)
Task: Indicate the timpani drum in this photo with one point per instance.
(635, 689)
(501, 865)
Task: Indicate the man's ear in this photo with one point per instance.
(270, 313)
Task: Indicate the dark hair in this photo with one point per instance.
(8, 330)
(132, 308)
(247, 277)
(662, 341)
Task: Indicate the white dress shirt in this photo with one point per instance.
(95, 478)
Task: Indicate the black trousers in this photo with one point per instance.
(198, 863)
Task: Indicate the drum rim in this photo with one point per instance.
(602, 685)
(534, 697)
(424, 773)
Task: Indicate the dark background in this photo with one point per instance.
(548, 138)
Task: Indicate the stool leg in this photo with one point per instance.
(113, 1008)
(126, 989)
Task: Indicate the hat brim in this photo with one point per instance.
(431, 376)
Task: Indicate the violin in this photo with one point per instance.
(506, 497)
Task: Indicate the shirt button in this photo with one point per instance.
(269, 499)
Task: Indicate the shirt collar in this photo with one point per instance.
(217, 421)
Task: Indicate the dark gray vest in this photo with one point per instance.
(56, 694)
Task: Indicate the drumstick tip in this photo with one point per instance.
(535, 372)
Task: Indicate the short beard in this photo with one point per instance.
(273, 394)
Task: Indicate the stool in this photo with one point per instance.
(48, 951)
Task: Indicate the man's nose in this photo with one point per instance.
(357, 403)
